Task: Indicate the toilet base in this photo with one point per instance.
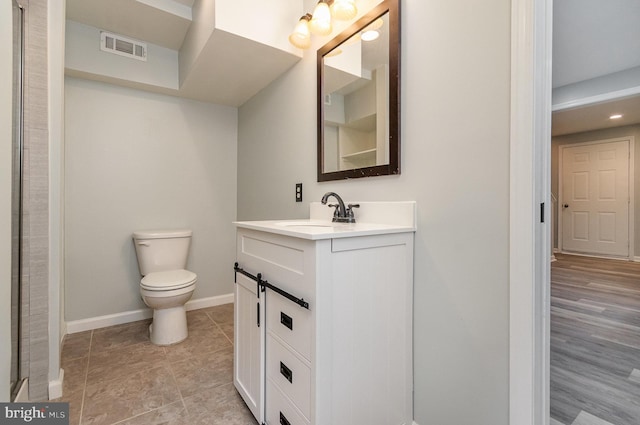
(169, 326)
(169, 314)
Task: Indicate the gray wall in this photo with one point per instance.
(589, 136)
(455, 164)
(136, 160)
(6, 78)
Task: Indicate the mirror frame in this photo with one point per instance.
(393, 7)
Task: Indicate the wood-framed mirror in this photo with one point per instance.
(358, 76)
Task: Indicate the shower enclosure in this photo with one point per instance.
(16, 197)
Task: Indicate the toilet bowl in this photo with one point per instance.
(166, 285)
(166, 293)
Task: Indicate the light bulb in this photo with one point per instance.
(301, 37)
(344, 10)
(321, 21)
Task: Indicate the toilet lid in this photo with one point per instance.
(164, 281)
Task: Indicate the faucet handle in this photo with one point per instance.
(350, 208)
(335, 211)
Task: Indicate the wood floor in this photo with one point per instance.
(595, 341)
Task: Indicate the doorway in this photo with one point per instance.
(595, 215)
(533, 26)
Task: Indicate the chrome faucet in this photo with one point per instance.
(340, 214)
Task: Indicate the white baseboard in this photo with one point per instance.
(55, 386)
(604, 257)
(91, 323)
(636, 259)
(98, 322)
(209, 302)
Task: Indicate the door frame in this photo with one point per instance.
(529, 205)
(631, 194)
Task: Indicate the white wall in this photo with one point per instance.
(83, 57)
(455, 164)
(6, 82)
(136, 160)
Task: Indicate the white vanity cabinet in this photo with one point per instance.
(323, 330)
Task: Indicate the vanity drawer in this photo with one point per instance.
(291, 323)
(280, 411)
(290, 374)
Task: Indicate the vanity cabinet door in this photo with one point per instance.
(248, 368)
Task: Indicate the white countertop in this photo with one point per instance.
(372, 218)
(317, 229)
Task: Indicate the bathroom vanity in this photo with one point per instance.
(323, 317)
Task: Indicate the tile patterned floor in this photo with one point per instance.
(116, 376)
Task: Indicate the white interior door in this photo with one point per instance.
(595, 198)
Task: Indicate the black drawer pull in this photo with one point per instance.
(286, 320)
(283, 420)
(286, 372)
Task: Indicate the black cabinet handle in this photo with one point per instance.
(286, 320)
(286, 372)
(283, 420)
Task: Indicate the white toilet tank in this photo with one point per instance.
(161, 250)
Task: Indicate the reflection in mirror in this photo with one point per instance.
(358, 99)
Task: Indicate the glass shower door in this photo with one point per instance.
(16, 195)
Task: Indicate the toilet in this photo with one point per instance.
(166, 285)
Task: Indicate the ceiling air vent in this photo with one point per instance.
(123, 46)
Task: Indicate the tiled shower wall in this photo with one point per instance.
(35, 251)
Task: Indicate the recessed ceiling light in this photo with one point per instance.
(615, 117)
(370, 35)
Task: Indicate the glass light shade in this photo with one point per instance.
(344, 10)
(301, 37)
(321, 22)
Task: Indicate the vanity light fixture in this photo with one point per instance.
(344, 10)
(320, 22)
(615, 117)
(301, 35)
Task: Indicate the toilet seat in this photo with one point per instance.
(168, 280)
